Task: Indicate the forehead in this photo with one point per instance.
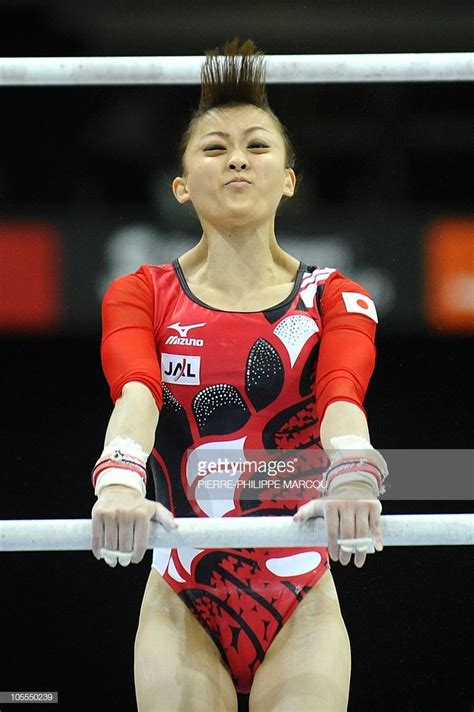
(233, 120)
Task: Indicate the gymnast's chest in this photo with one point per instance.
(248, 351)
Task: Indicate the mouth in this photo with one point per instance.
(238, 183)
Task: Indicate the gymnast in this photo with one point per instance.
(237, 347)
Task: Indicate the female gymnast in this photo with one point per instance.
(237, 347)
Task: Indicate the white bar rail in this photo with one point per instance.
(238, 532)
(281, 68)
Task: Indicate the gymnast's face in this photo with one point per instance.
(226, 143)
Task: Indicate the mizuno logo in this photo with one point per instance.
(183, 330)
(179, 340)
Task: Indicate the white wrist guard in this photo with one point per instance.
(123, 462)
(114, 476)
(353, 459)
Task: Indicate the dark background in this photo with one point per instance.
(396, 154)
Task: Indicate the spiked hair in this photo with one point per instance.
(231, 77)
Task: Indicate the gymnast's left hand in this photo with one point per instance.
(350, 513)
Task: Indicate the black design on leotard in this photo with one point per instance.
(293, 427)
(308, 373)
(172, 438)
(264, 376)
(219, 409)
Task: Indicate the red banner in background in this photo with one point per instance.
(54, 271)
(30, 276)
(449, 275)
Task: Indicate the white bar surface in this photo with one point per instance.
(238, 532)
(281, 69)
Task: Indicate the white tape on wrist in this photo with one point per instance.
(126, 445)
(351, 477)
(343, 445)
(114, 476)
(346, 446)
(350, 442)
(123, 462)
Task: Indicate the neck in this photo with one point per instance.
(238, 259)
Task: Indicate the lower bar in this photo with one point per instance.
(238, 532)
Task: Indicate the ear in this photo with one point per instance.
(290, 183)
(180, 190)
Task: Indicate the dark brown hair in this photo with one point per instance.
(232, 77)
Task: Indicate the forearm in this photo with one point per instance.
(135, 416)
(121, 515)
(343, 418)
(345, 434)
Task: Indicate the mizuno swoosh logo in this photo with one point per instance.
(183, 330)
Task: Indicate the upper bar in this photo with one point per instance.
(238, 532)
(281, 69)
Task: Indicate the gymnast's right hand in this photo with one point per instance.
(121, 524)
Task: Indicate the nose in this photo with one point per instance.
(237, 165)
(237, 162)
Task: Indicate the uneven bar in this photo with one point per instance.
(238, 532)
(287, 69)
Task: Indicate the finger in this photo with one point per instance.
(97, 535)
(125, 535)
(164, 517)
(310, 510)
(124, 557)
(110, 557)
(375, 528)
(111, 541)
(362, 532)
(347, 529)
(332, 527)
(140, 539)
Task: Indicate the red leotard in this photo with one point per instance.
(245, 381)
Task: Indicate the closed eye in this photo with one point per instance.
(255, 144)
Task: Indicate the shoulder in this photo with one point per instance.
(141, 283)
(330, 277)
(334, 290)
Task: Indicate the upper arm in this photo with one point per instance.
(128, 348)
(347, 352)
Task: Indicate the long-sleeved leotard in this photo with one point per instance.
(240, 383)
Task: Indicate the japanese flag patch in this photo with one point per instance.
(357, 302)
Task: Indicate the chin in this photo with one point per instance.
(234, 221)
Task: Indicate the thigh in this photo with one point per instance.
(307, 667)
(177, 665)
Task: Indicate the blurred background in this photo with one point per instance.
(385, 196)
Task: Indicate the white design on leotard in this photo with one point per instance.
(310, 283)
(161, 558)
(186, 555)
(294, 564)
(173, 572)
(294, 332)
(215, 501)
